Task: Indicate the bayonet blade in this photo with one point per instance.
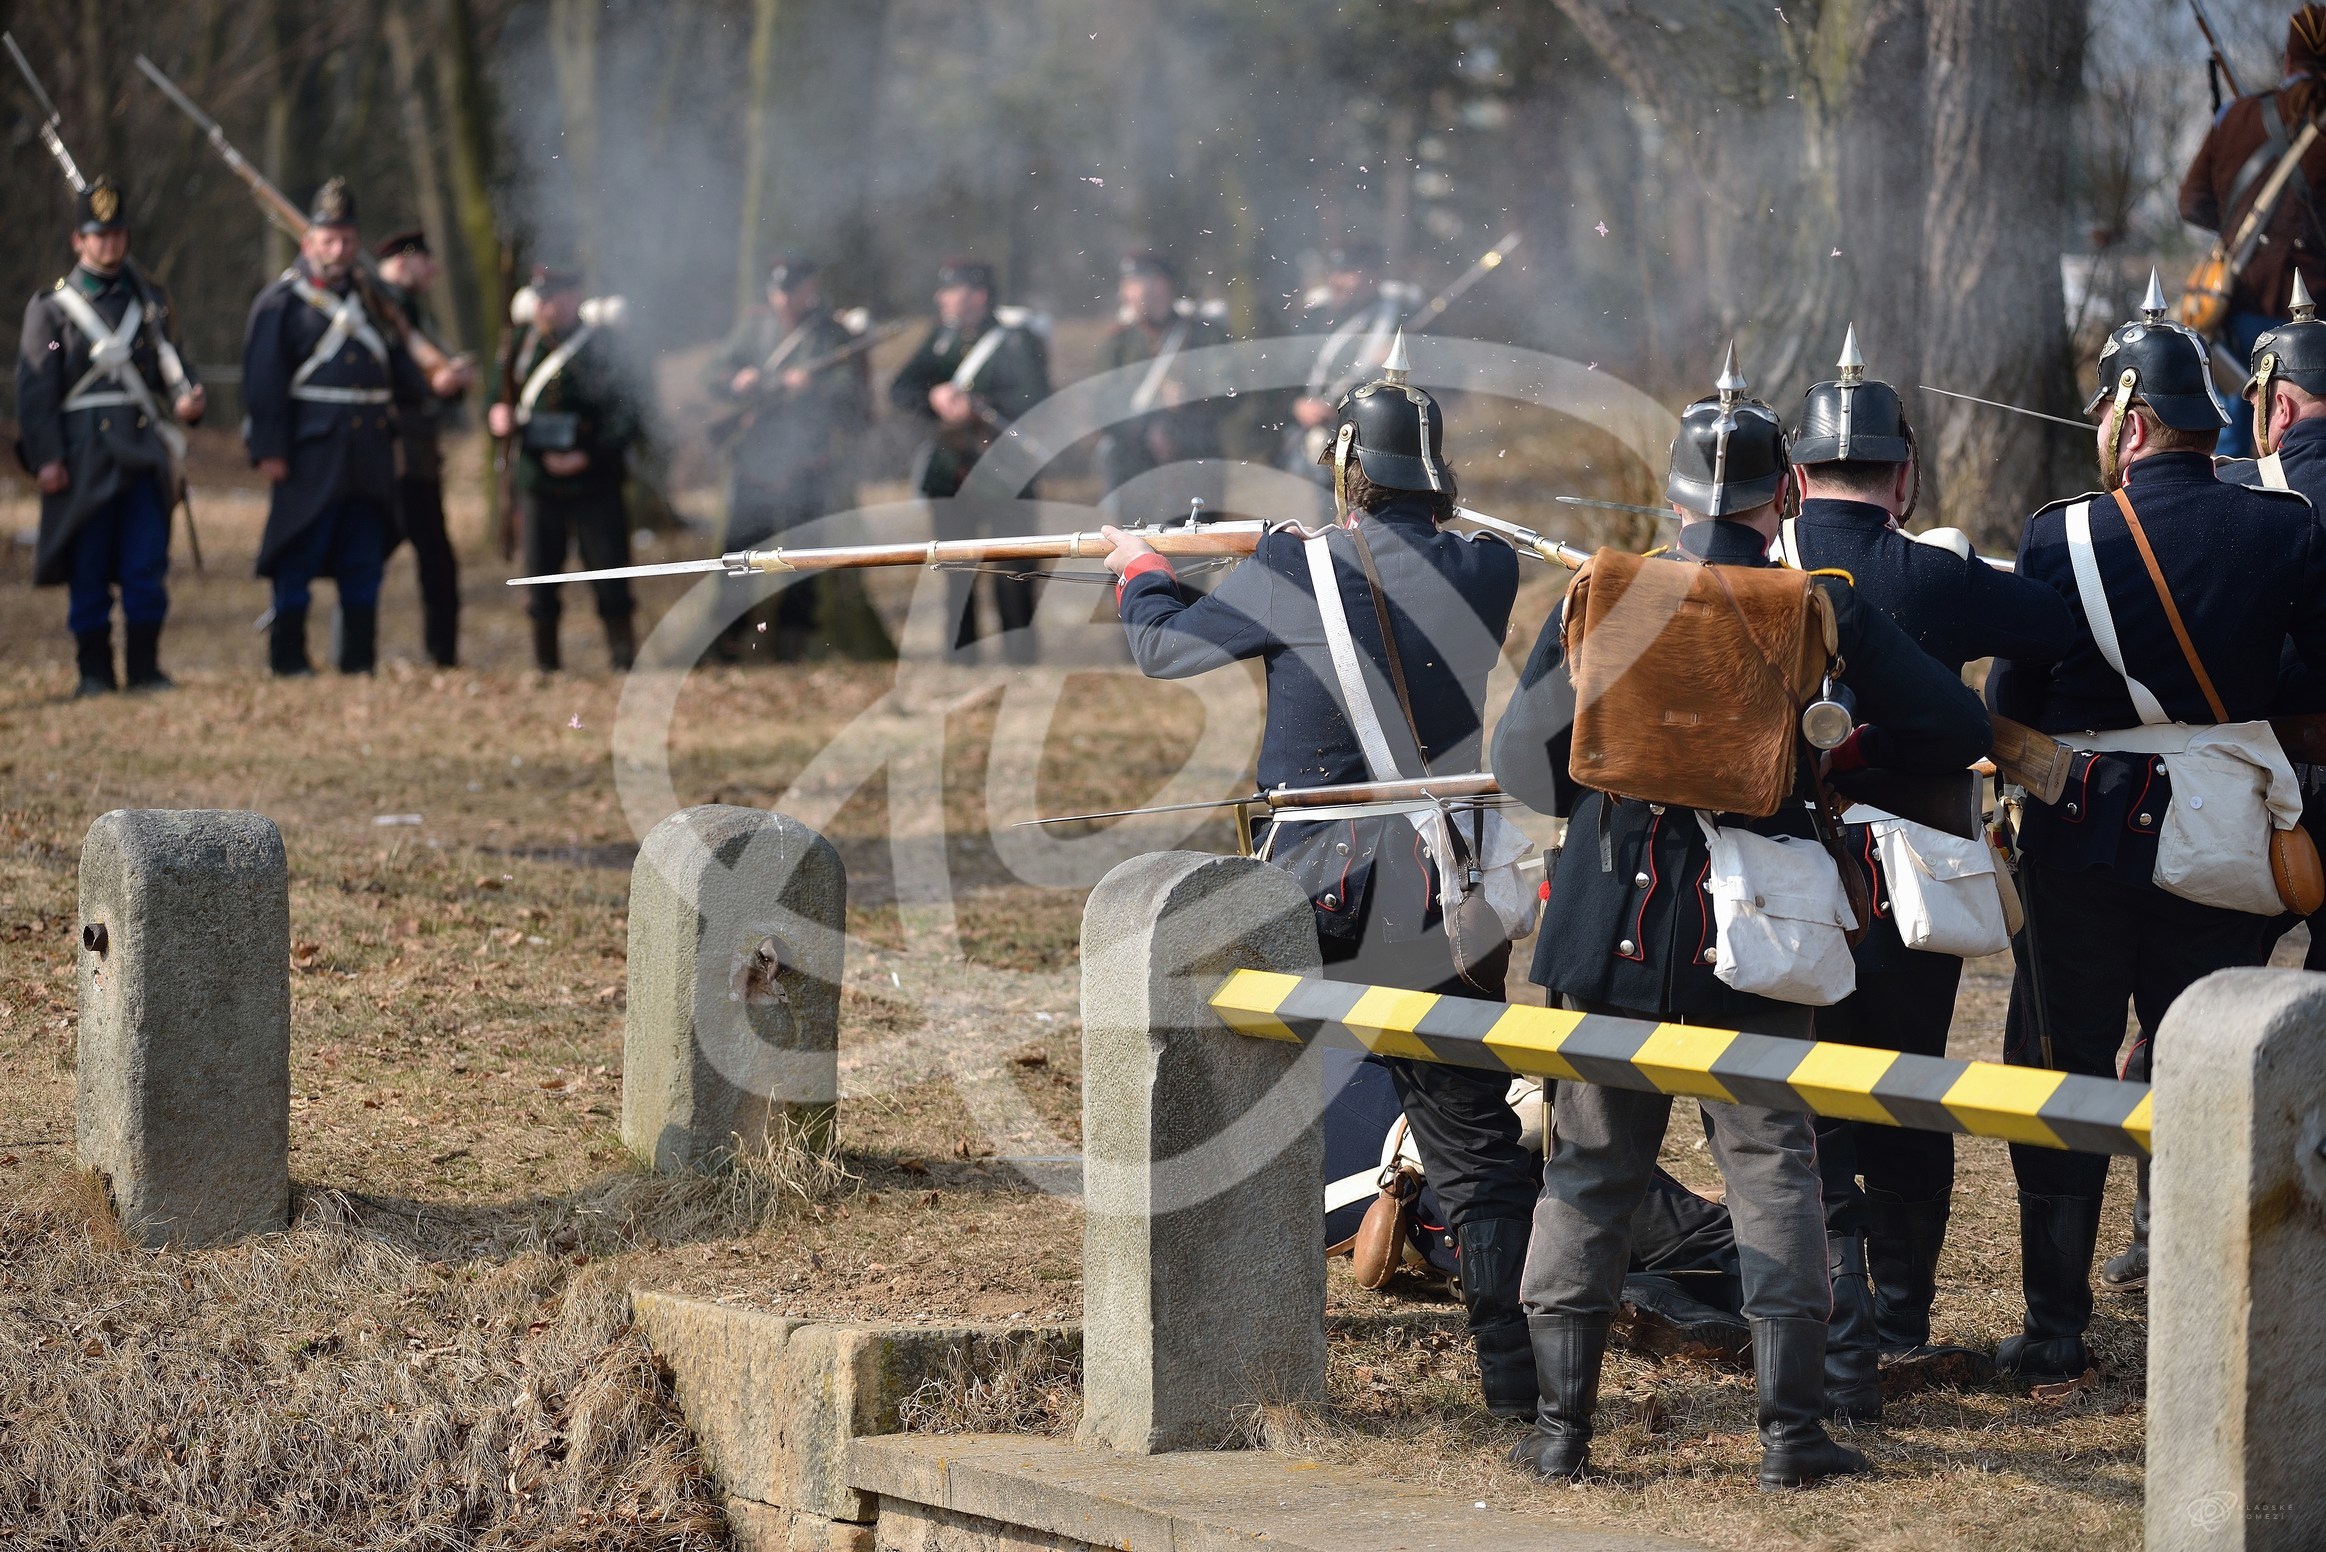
(1613, 506)
(24, 66)
(1998, 404)
(674, 568)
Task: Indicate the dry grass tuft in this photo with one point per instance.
(328, 1387)
(1013, 1383)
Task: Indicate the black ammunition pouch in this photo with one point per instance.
(552, 431)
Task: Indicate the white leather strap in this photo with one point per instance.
(110, 362)
(2272, 470)
(1789, 544)
(1356, 699)
(538, 380)
(965, 375)
(2098, 615)
(348, 321)
(1160, 367)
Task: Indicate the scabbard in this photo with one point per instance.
(2036, 761)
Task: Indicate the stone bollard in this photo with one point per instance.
(2237, 1254)
(184, 1093)
(1203, 1269)
(736, 930)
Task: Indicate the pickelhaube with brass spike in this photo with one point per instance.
(333, 205)
(1730, 455)
(2295, 350)
(2161, 363)
(100, 207)
(1394, 430)
(1852, 419)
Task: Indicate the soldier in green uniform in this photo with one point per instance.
(566, 399)
(100, 387)
(406, 270)
(1156, 325)
(793, 408)
(979, 369)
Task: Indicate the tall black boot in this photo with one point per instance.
(2056, 1235)
(142, 657)
(1493, 1254)
(287, 645)
(94, 650)
(2127, 1270)
(545, 655)
(621, 643)
(1568, 1350)
(1789, 1371)
(359, 638)
(440, 632)
(1853, 1352)
(1902, 1246)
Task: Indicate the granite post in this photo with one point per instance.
(184, 1085)
(2237, 1257)
(737, 922)
(1203, 1240)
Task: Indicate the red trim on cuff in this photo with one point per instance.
(1850, 753)
(1140, 565)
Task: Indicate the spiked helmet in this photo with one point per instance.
(2161, 363)
(2295, 350)
(1730, 455)
(1394, 430)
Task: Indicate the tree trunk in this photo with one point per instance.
(573, 45)
(2004, 80)
(282, 102)
(460, 88)
(758, 126)
(420, 146)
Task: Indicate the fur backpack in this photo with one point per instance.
(1690, 679)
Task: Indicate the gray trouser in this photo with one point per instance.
(1603, 1154)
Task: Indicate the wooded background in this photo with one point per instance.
(1683, 170)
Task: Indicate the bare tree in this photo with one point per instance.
(758, 117)
(2003, 81)
(420, 146)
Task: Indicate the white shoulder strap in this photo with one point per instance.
(2097, 613)
(965, 375)
(1356, 699)
(1160, 368)
(1790, 544)
(110, 359)
(348, 321)
(547, 368)
(2273, 472)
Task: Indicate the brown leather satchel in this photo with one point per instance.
(1380, 1245)
(1690, 679)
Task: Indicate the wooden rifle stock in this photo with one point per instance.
(730, 427)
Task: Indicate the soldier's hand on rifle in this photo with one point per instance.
(1312, 412)
(952, 405)
(276, 470)
(744, 381)
(191, 404)
(1127, 548)
(500, 420)
(797, 378)
(565, 462)
(451, 380)
(53, 477)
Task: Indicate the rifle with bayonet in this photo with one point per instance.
(2218, 72)
(1317, 437)
(731, 426)
(48, 126)
(291, 221)
(1196, 536)
(1305, 805)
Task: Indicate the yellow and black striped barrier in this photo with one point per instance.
(1855, 1083)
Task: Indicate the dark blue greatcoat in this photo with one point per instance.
(337, 451)
(1449, 596)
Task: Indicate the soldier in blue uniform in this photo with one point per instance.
(1375, 888)
(100, 390)
(324, 365)
(1629, 931)
(1856, 464)
(978, 370)
(2287, 391)
(2242, 571)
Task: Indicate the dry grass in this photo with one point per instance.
(328, 1387)
(1011, 1383)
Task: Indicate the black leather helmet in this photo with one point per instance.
(1851, 419)
(2295, 350)
(2165, 362)
(333, 205)
(100, 207)
(1730, 454)
(1395, 431)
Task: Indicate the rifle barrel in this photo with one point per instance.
(1528, 540)
(1446, 788)
(48, 127)
(271, 200)
(1998, 404)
